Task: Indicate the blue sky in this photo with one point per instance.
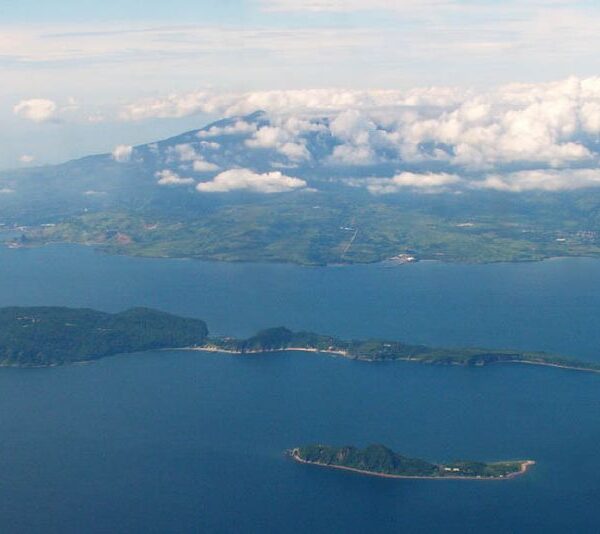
(91, 59)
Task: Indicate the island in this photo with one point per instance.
(48, 336)
(377, 350)
(378, 460)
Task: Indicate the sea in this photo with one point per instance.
(186, 441)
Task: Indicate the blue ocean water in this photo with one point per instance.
(193, 442)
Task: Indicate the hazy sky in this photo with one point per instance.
(81, 76)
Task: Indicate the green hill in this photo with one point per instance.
(54, 335)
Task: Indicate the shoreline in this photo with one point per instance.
(105, 248)
(345, 354)
(525, 465)
(266, 351)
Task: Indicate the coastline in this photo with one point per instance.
(209, 348)
(345, 354)
(556, 365)
(106, 248)
(525, 465)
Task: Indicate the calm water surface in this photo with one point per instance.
(192, 442)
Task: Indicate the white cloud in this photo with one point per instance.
(36, 110)
(543, 124)
(26, 159)
(187, 153)
(283, 102)
(541, 180)
(201, 165)
(285, 138)
(421, 182)
(237, 128)
(122, 153)
(167, 177)
(247, 180)
(6, 191)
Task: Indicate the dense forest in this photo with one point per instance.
(53, 335)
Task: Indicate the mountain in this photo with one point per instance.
(309, 191)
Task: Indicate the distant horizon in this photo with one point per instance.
(72, 70)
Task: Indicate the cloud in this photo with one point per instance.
(6, 191)
(26, 159)
(292, 103)
(186, 153)
(201, 165)
(344, 6)
(491, 138)
(286, 137)
(168, 177)
(541, 180)
(550, 180)
(37, 110)
(211, 145)
(424, 183)
(122, 153)
(247, 180)
(92, 193)
(239, 127)
(552, 123)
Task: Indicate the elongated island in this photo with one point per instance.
(380, 350)
(378, 460)
(49, 336)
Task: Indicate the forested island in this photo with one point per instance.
(378, 460)
(376, 350)
(45, 336)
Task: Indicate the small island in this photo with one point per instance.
(378, 460)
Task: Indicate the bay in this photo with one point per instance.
(193, 442)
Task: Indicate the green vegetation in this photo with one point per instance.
(281, 338)
(33, 337)
(51, 336)
(326, 228)
(379, 460)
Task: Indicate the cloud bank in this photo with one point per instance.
(514, 138)
(549, 124)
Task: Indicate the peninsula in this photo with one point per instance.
(378, 460)
(47, 336)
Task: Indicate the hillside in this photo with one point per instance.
(31, 337)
